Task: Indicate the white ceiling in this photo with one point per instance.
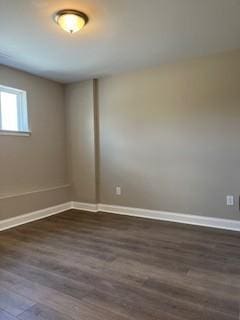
(121, 35)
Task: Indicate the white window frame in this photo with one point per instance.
(23, 122)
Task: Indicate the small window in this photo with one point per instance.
(13, 111)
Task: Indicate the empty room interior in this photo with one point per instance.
(120, 160)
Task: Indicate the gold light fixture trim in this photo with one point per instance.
(71, 20)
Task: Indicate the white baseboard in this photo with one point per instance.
(36, 215)
(136, 212)
(84, 206)
(198, 220)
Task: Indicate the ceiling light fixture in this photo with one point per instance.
(71, 20)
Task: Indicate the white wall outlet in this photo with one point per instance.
(230, 201)
(118, 191)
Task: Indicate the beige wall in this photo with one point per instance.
(170, 137)
(37, 162)
(79, 99)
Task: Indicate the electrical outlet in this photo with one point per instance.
(230, 201)
(118, 191)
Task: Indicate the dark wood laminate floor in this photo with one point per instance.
(84, 266)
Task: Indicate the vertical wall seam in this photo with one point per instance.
(96, 139)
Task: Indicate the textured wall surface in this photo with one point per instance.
(36, 162)
(170, 137)
(79, 100)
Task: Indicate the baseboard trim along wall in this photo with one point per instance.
(84, 206)
(197, 220)
(33, 216)
(136, 212)
(161, 215)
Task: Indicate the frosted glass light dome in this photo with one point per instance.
(71, 20)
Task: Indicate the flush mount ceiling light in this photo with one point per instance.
(71, 20)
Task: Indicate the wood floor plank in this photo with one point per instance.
(13, 303)
(76, 289)
(194, 295)
(79, 265)
(6, 316)
(42, 312)
(54, 299)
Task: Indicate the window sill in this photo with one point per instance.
(15, 133)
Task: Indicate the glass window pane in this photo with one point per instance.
(9, 111)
